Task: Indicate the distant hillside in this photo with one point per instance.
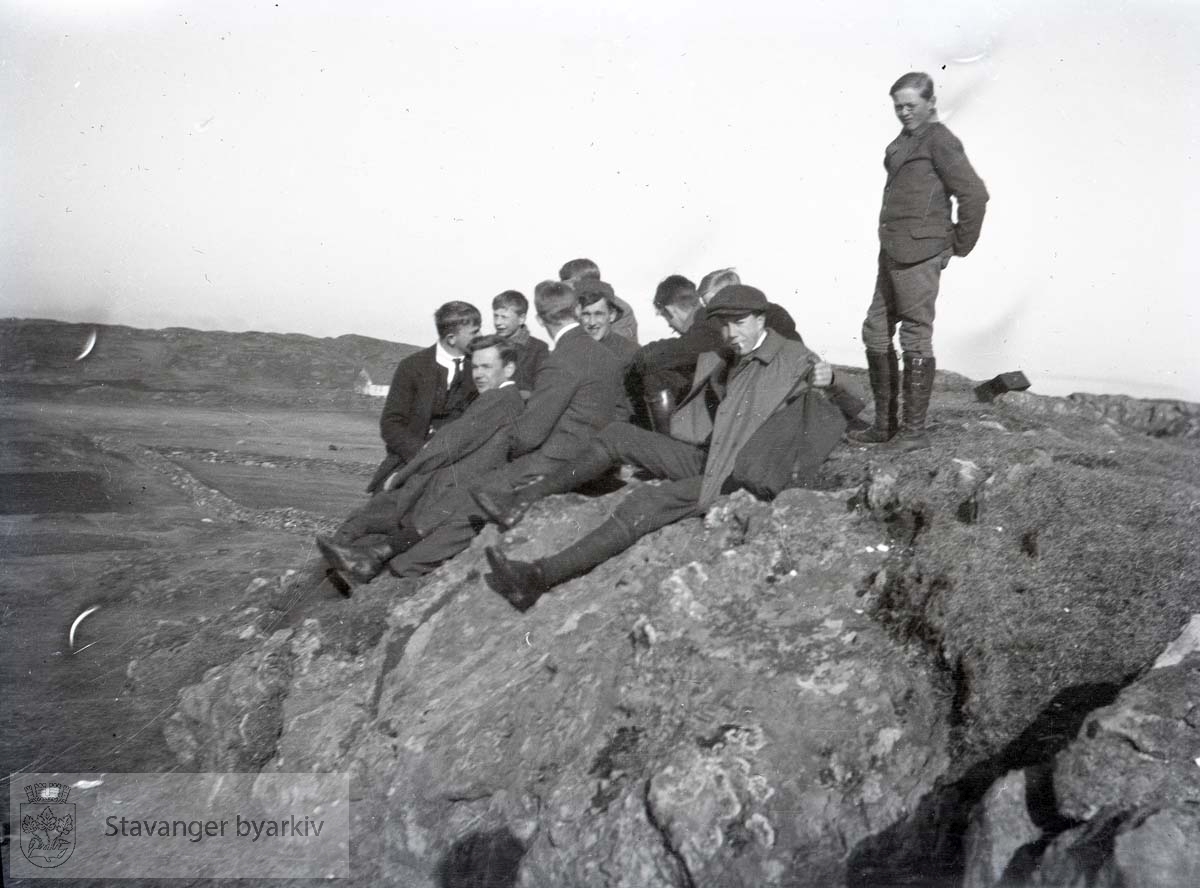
(183, 362)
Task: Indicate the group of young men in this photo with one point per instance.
(478, 428)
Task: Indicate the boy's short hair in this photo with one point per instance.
(510, 352)
(918, 80)
(453, 316)
(590, 291)
(716, 281)
(579, 270)
(556, 301)
(676, 290)
(511, 299)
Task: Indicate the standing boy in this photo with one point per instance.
(918, 235)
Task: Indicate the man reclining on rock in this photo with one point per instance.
(732, 396)
(461, 451)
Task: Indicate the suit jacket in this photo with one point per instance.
(461, 452)
(577, 393)
(417, 404)
(624, 349)
(731, 399)
(924, 170)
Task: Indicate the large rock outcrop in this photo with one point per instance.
(1125, 799)
(814, 691)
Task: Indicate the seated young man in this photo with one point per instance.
(461, 452)
(731, 397)
(597, 314)
(661, 371)
(430, 388)
(578, 270)
(508, 317)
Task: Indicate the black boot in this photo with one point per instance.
(522, 583)
(918, 386)
(660, 405)
(358, 564)
(884, 369)
(507, 507)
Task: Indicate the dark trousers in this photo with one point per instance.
(448, 526)
(681, 466)
(373, 522)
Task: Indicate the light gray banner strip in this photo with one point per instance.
(215, 826)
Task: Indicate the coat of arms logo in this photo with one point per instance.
(47, 824)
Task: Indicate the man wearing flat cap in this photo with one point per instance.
(733, 393)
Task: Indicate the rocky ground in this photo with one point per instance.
(932, 669)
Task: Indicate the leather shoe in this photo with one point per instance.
(505, 509)
(520, 582)
(359, 564)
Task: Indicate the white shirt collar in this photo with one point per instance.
(505, 384)
(445, 359)
(559, 335)
(762, 337)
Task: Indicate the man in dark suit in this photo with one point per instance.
(388, 528)
(429, 389)
(926, 168)
(508, 317)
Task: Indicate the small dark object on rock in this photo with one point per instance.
(333, 447)
(338, 581)
(1014, 381)
(482, 860)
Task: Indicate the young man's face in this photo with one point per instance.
(912, 111)
(597, 318)
(507, 321)
(743, 333)
(487, 370)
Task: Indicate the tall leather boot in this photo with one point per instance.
(884, 370)
(918, 386)
(522, 583)
(507, 507)
(660, 405)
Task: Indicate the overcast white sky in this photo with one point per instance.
(333, 168)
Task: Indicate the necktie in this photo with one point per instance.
(457, 378)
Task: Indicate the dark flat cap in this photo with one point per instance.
(737, 301)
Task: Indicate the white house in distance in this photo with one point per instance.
(364, 386)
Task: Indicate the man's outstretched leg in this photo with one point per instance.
(645, 510)
(523, 582)
(618, 443)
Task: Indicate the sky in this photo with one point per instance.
(330, 168)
